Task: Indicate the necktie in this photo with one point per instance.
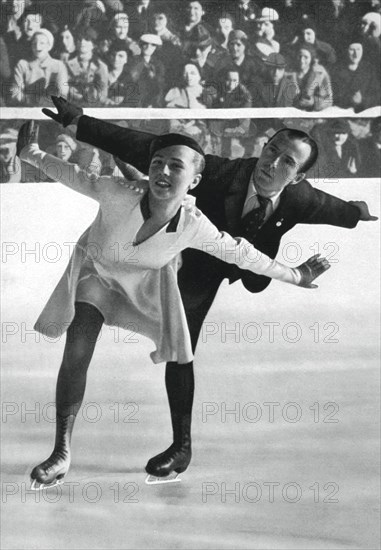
(253, 221)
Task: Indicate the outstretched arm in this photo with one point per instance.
(56, 169)
(207, 238)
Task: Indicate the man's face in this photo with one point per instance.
(276, 74)
(195, 12)
(148, 49)
(32, 23)
(280, 164)
(232, 81)
(355, 52)
(172, 172)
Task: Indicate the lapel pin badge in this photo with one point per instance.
(279, 223)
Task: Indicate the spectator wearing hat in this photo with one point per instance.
(264, 43)
(370, 149)
(118, 30)
(148, 72)
(19, 41)
(170, 52)
(355, 85)
(88, 76)
(65, 147)
(36, 78)
(241, 60)
(313, 81)
(11, 30)
(91, 15)
(325, 53)
(206, 56)
(290, 13)
(277, 88)
(121, 88)
(233, 95)
(339, 154)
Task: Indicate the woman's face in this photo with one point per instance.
(121, 27)
(265, 28)
(63, 151)
(119, 59)
(18, 8)
(172, 172)
(160, 22)
(224, 26)
(309, 36)
(191, 75)
(68, 40)
(304, 58)
(236, 48)
(40, 46)
(32, 23)
(85, 47)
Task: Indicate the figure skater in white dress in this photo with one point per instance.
(124, 268)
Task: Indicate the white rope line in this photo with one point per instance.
(35, 113)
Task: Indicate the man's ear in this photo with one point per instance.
(196, 181)
(299, 177)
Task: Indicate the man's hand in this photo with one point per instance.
(364, 211)
(67, 112)
(311, 269)
(28, 134)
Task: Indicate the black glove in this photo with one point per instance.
(311, 269)
(28, 134)
(67, 112)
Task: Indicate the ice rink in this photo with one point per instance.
(286, 414)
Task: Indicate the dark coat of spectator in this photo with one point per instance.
(276, 89)
(148, 72)
(140, 12)
(370, 149)
(307, 34)
(355, 84)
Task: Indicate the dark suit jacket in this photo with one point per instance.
(221, 195)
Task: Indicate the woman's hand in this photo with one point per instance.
(311, 269)
(28, 134)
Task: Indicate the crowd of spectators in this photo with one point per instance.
(309, 54)
(348, 148)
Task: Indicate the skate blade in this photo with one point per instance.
(37, 486)
(173, 477)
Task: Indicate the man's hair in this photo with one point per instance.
(305, 138)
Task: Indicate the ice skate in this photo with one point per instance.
(52, 471)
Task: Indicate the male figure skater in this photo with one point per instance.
(259, 199)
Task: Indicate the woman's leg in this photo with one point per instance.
(81, 338)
